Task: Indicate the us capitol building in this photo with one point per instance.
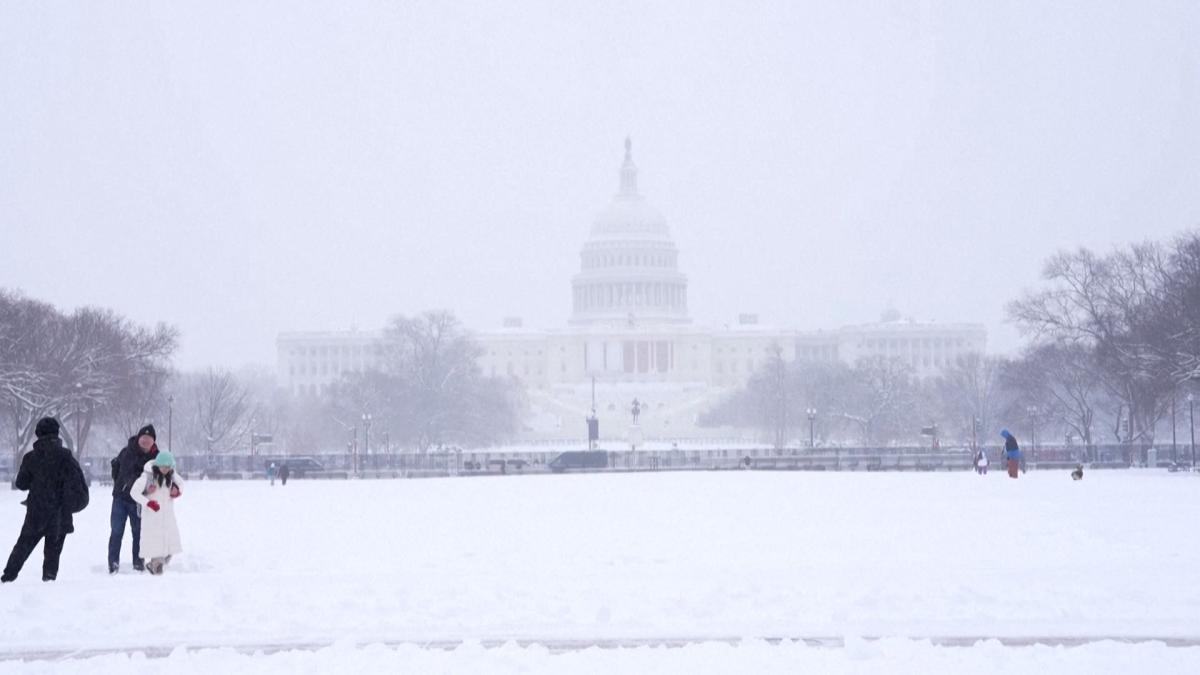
(630, 333)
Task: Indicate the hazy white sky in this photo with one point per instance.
(240, 169)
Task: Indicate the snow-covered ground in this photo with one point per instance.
(628, 557)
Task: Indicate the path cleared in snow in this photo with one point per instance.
(894, 656)
(560, 646)
(618, 559)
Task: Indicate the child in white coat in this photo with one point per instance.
(156, 490)
(981, 463)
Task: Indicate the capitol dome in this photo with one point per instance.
(629, 269)
(629, 214)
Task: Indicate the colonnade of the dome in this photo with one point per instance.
(600, 296)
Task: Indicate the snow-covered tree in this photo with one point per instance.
(83, 368)
(430, 390)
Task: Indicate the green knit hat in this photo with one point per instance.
(165, 458)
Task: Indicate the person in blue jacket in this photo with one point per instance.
(1012, 453)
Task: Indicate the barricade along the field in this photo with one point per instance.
(492, 462)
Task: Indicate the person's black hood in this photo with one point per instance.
(47, 426)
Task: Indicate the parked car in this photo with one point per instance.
(505, 465)
(299, 466)
(580, 460)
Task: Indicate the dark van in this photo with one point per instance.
(579, 460)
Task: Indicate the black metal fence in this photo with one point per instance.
(510, 462)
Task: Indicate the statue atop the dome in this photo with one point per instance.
(628, 171)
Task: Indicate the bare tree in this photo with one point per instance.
(430, 390)
(26, 326)
(884, 406)
(1176, 315)
(769, 397)
(76, 367)
(1107, 305)
(216, 411)
(1064, 382)
(970, 392)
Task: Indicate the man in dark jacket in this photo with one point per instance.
(126, 467)
(56, 490)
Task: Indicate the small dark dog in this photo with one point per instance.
(1077, 474)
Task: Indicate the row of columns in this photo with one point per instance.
(597, 260)
(591, 297)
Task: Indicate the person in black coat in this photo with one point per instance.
(126, 468)
(57, 489)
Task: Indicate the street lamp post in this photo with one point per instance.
(1174, 448)
(78, 416)
(1192, 424)
(170, 421)
(352, 444)
(1033, 411)
(812, 419)
(366, 418)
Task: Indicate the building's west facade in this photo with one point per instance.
(631, 335)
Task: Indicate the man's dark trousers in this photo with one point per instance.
(38, 526)
(122, 508)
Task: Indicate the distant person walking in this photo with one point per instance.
(1012, 453)
(271, 473)
(126, 467)
(156, 490)
(284, 472)
(981, 462)
(57, 489)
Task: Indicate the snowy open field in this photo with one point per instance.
(566, 560)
